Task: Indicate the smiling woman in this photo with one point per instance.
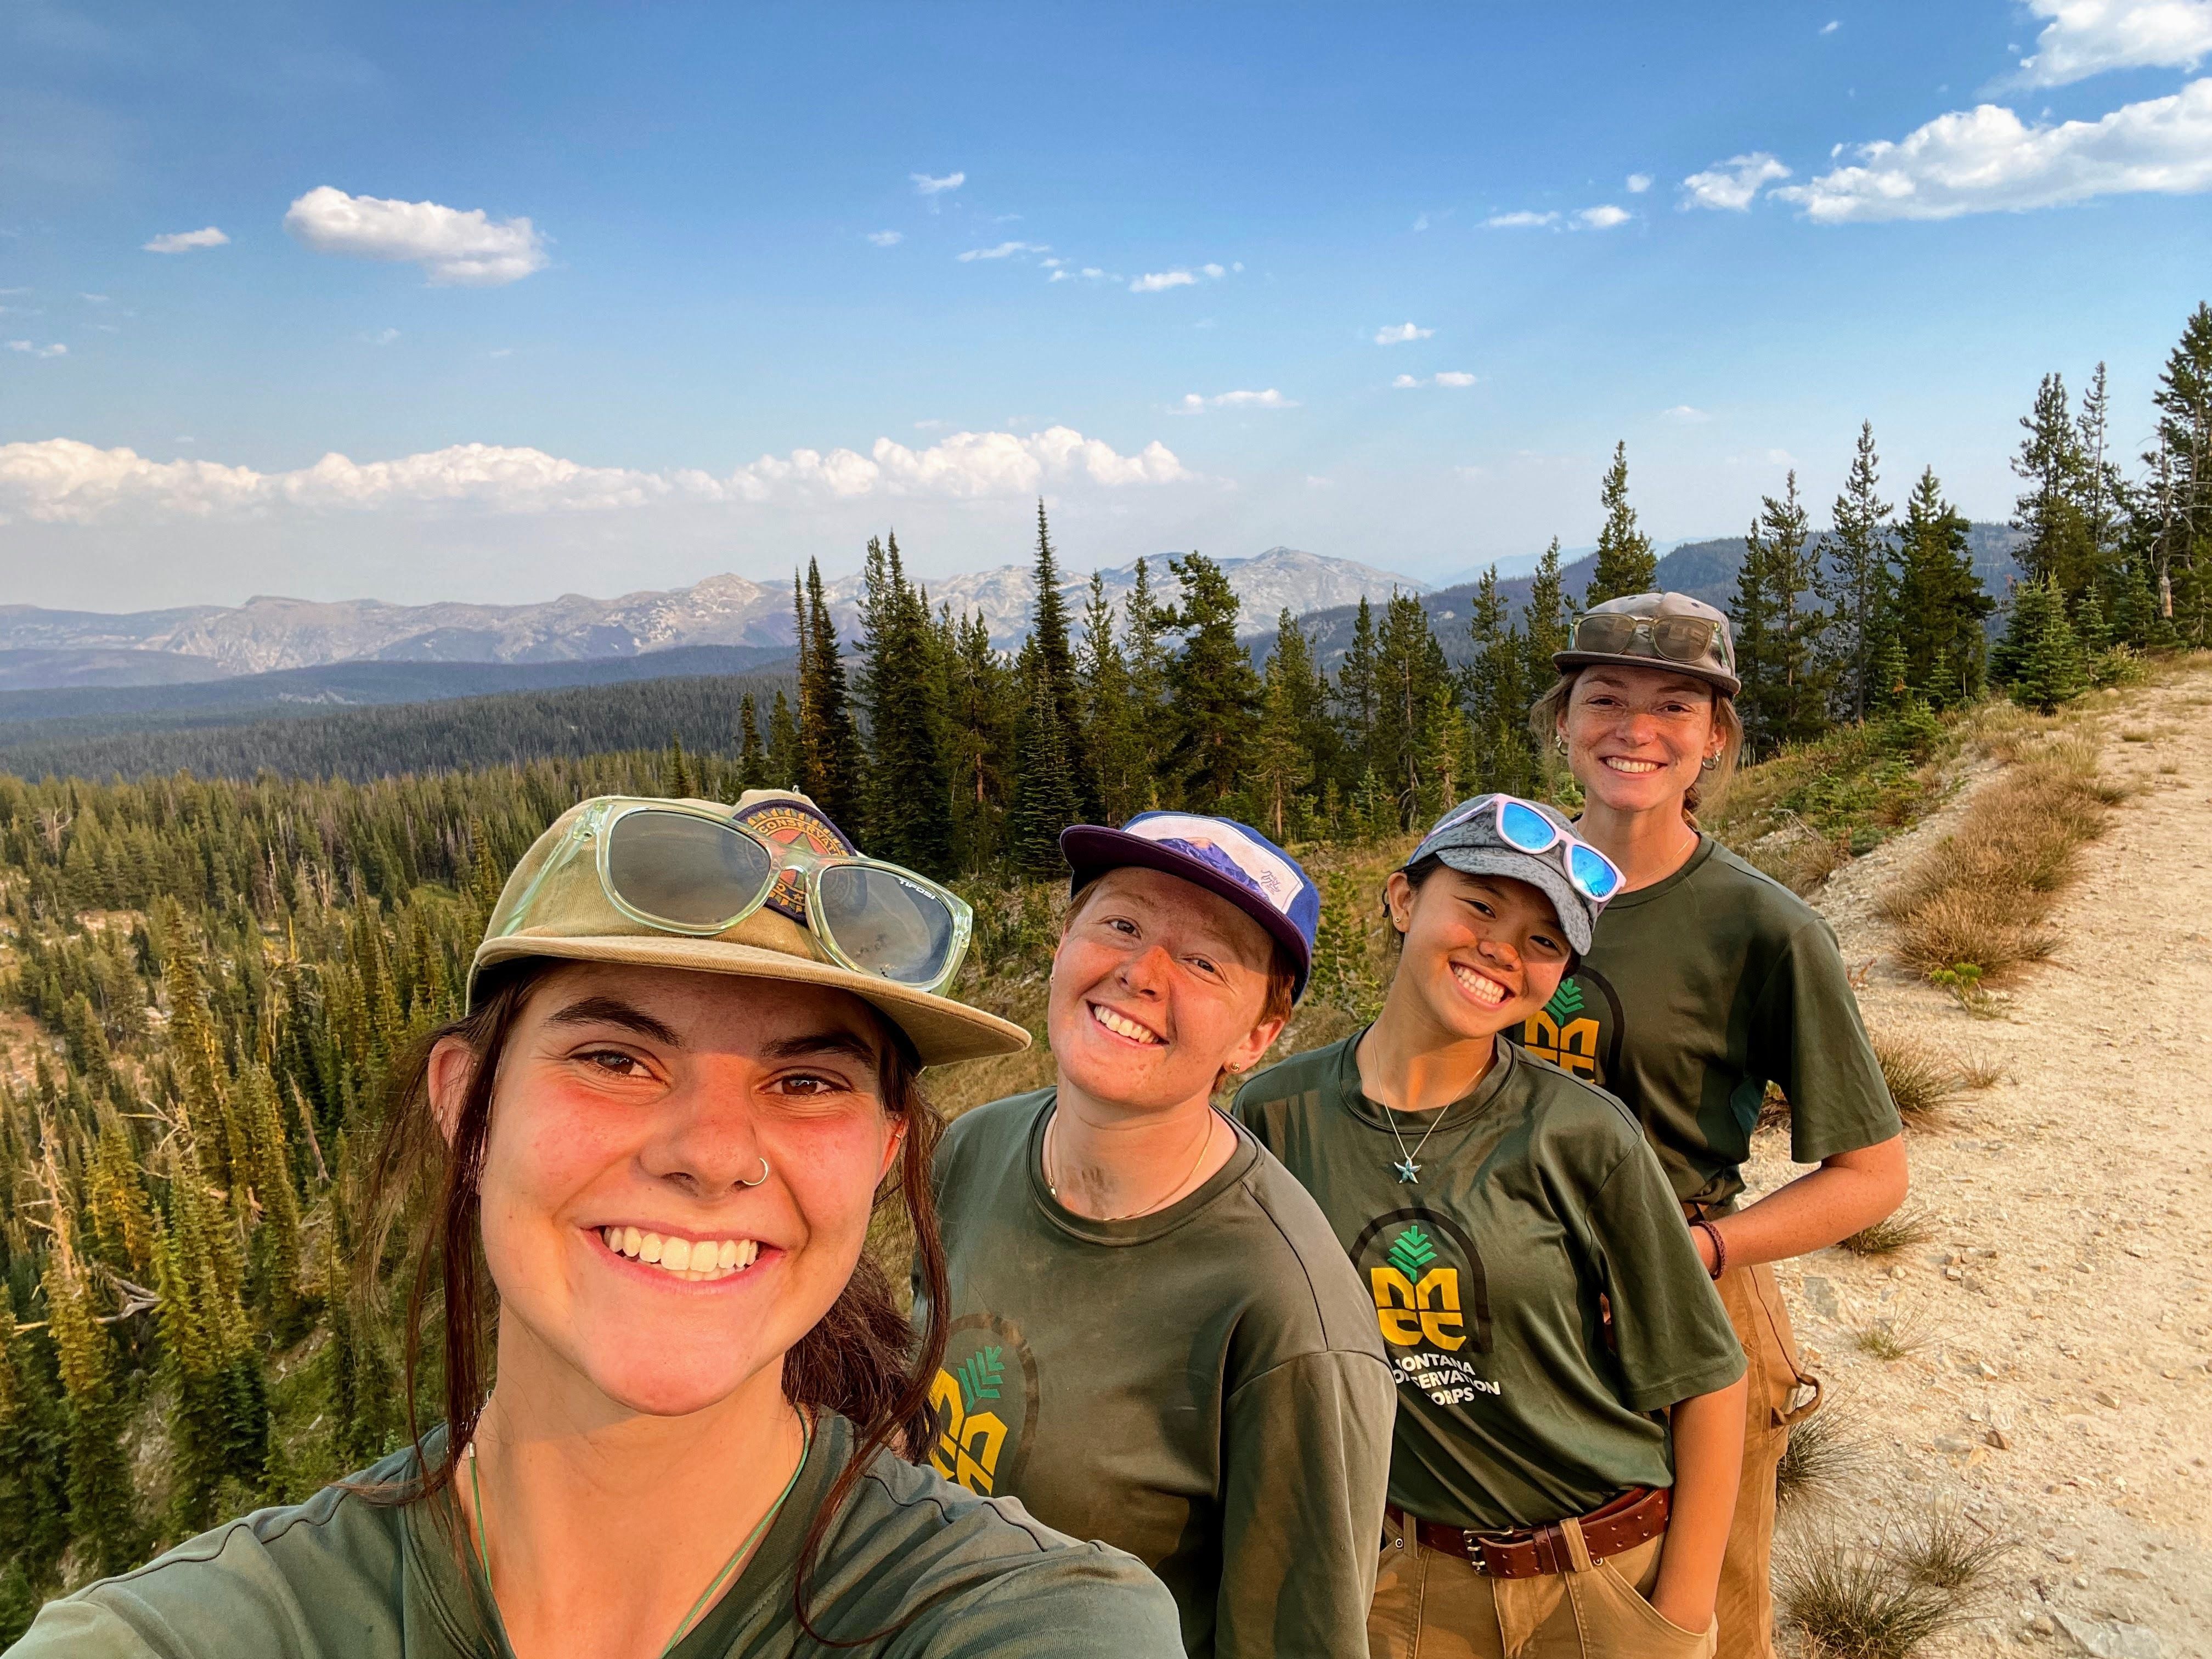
(640, 1174)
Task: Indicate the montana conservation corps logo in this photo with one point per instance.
(1578, 1030)
(984, 1402)
(1432, 1301)
(790, 822)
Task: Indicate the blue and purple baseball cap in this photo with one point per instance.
(1220, 854)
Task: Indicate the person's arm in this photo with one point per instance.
(1307, 1470)
(1823, 1206)
(83, 1629)
(1708, 1464)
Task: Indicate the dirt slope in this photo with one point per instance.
(2065, 1299)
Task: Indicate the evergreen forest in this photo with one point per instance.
(206, 978)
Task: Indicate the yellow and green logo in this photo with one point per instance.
(1415, 1299)
(1564, 1032)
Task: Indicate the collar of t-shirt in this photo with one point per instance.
(1136, 1229)
(1660, 889)
(1505, 1061)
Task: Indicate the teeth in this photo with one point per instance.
(693, 1260)
(1620, 764)
(1121, 1026)
(1483, 988)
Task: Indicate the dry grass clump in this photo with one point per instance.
(1980, 1070)
(1983, 896)
(1851, 1602)
(1900, 1230)
(1890, 1340)
(1921, 1082)
(1824, 1452)
(1947, 1551)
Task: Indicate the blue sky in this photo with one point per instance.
(1412, 271)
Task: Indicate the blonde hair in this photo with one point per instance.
(1549, 712)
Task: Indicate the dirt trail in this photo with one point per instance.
(2064, 1300)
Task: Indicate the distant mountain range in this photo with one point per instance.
(46, 649)
(1705, 570)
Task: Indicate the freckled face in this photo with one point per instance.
(1482, 952)
(1157, 985)
(632, 1105)
(1638, 736)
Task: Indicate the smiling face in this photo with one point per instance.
(1157, 986)
(631, 1108)
(1480, 953)
(1638, 737)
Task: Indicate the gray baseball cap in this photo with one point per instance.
(1505, 836)
(1656, 630)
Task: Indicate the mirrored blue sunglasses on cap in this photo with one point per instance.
(1525, 829)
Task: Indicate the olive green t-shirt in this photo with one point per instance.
(1202, 1387)
(1534, 1195)
(1697, 991)
(337, 1577)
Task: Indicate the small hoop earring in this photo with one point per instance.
(1559, 739)
(764, 1175)
(1709, 762)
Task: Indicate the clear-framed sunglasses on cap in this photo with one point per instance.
(683, 869)
(1677, 639)
(1525, 829)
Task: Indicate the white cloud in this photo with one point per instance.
(1401, 334)
(1158, 281)
(886, 238)
(1730, 185)
(1638, 183)
(94, 299)
(926, 186)
(1421, 223)
(1683, 415)
(384, 337)
(1215, 272)
(1004, 250)
(1448, 377)
(1193, 403)
(1604, 217)
(455, 248)
(57, 349)
(1832, 25)
(59, 480)
(1525, 218)
(2088, 37)
(1987, 160)
(184, 241)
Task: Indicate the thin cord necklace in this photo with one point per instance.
(1409, 1171)
(684, 1627)
(1205, 1140)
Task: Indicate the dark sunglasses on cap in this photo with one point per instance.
(1678, 639)
(683, 870)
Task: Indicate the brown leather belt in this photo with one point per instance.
(1636, 1516)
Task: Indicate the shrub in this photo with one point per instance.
(1855, 1603)
(1899, 1231)
(1920, 1083)
(1824, 1451)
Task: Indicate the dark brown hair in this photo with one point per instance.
(862, 1360)
(1546, 713)
(1282, 969)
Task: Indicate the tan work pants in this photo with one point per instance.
(1745, 1608)
(1429, 1605)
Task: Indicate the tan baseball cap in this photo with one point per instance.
(555, 905)
(1697, 644)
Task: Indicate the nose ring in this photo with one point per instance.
(764, 1175)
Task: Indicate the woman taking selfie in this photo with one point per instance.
(1570, 1396)
(1706, 982)
(677, 1397)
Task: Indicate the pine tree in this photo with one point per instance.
(982, 709)
(676, 778)
(1052, 656)
(2039, 662)
(2178, 507)
(2104, 493)
(830, 748)
(1496, 692)
(102, 1511)
(752, 759)
(1281, 766)
(1625, 564)
(1778, 627)
(1342, 977)
(1213, 692)
(1547, 621)
(1409, 667)
(908, 788)
(1356, 690)
(1941, 606)
(2050, 512)
(1118, 750)
(786, 761)
(1854, 579)
(1045, 799)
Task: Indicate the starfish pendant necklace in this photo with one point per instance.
(1408, 1168)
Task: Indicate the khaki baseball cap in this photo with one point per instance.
(555, 905)
(1644, 639)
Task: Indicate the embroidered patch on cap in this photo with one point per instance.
(1220, 846)
(788, 824)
